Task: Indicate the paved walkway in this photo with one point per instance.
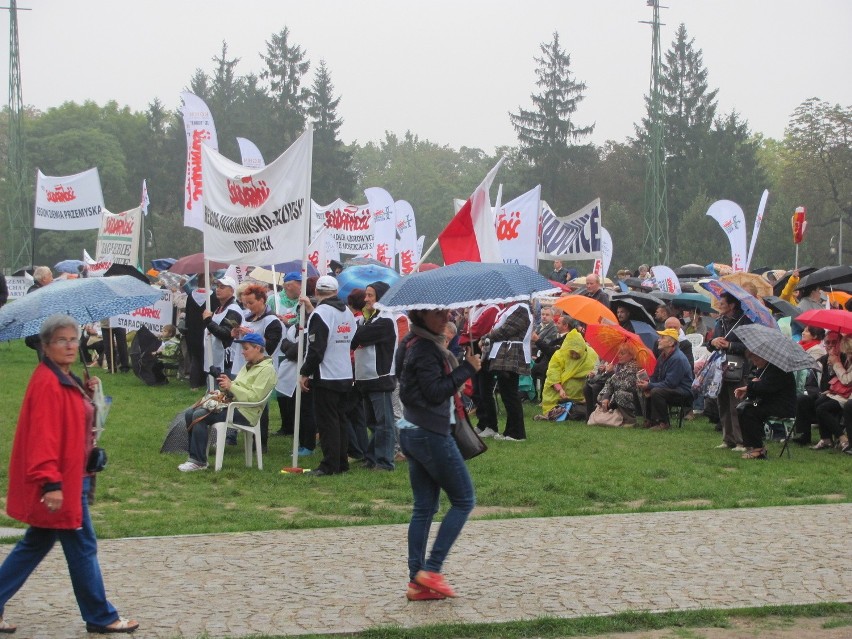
(351, 579)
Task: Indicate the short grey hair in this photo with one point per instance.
(41, 272)
(56, 322)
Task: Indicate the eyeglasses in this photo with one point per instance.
(65, 341)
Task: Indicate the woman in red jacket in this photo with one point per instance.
(48, 482)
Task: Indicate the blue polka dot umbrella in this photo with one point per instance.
(465, 284)
(86, 300)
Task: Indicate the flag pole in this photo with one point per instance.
(208, 344)
(424, 256)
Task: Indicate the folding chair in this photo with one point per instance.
(251, 434)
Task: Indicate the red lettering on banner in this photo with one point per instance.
(382, 254)
(344, 328)
(507, 226)
(61, 194)
(314, 259)
(247, 192)
(406, 261)
(348, 219)
(118, 226)
(193, 166)
(146, 311)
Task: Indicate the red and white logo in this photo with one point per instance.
(247, 192)
(60, 193)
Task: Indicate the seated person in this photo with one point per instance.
(569, 367)
(770, 393)
(671, 382)
(252, 384)
(619, 391)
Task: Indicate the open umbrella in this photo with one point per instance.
(164, 263)
(781, 306)
(747, 281)
(839, 298)
(69, 266)
(465, 284)
(606, 340)
(752, 307)
(781, 280)
(692, 300)
(636, 311)
(585, 309)
(126, 269)
(85, 299)
(194, 263)
(826, 277)
(663, 295)
(691, 271)
(647, 333)
(774, 348)
(830, 319)
(648, 301)
(354, 277)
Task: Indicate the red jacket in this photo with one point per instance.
(51, 447)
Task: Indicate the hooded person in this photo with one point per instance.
(374, 345)
(569, 367)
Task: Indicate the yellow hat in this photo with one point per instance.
(670, 332)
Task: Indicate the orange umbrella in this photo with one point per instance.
(839, 298)
(585, 309)
(607, 340)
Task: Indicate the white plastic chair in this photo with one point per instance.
(251, 434)
(695, 339)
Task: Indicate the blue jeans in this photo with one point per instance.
(434, 463)
(378, 409)
(81, 552)
(201, 430)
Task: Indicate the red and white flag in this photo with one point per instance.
(200, 131)
(470, 236)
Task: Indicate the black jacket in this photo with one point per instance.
(425, 387)
(775, 389)
(376, 339)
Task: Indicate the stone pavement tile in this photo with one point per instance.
(349, 579)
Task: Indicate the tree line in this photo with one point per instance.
(708, 156)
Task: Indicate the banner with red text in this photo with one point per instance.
(68, 203)
(730, 217)
(250, 155)
(665, 279)
(154, 317)
(406, 244)
(573, 237)
(200, 131)
(322, 250)
(384, 225)
(257, 216)
(516, 223)
(119, 237)
(350, 225)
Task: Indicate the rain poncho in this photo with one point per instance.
(570, 373)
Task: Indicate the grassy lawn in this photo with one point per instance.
(563, 469)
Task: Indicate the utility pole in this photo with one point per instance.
(655, 248)
(19, 248)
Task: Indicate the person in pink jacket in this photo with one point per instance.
(49, 484)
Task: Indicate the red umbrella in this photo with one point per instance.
(829, 319)
(605, 340)
(194, 264)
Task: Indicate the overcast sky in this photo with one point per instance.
(450, 71)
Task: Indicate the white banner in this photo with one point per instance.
(98, 267)
(238, 272)
(384, 225)
(69, 203)
(153, 317)
(665, 279)
(250, 155)
(730, 217)
(119, 236)
(18, 285)
(758, 220)
(517, 229)
(406, 228)
(257, 217)
(573, 237)
(322, 250)
(350, 225)
(606, 252)
(200, 131)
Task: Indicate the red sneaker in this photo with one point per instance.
(416, 592)
(435, 581)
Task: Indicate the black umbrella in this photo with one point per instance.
(634, 282)
(664, 295)
(27, 270)
(649, 302)
(781, 282)
(826, 277)
(126, 269)
(691, 270)
(781, 306)
(636, 310)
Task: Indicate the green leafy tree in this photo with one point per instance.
(286, 67)
(547, 133)
(332, 174)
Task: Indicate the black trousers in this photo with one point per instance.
(752, 419)
(115, 350)
(657, 403)
(828, 414)
(805, 416)
(329, 409)
(307, 426)
(486, 413)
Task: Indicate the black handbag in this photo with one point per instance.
(470, 444)
(734, 369)
(97, 460)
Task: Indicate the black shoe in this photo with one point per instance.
(801, 440)
(319, 472)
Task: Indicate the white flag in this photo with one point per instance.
(606, 252)
(257, 216)
(322, 250)
(757, 222)
(406, 229)
(69, 203)
(250, 154)
(146, 202)
(517, 229)
(730, 217)
(200, 131)
(384, 225)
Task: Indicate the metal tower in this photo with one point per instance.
(656, 213)
(19, 245)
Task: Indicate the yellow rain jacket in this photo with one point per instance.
(570, 373)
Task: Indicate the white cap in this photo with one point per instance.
(227, 281)
(327, 283)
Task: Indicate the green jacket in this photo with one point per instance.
(252, 384)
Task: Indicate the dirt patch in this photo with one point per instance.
(833, 497)
(487, 511)
(636, 503)
(693, 502)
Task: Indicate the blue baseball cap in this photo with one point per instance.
(252, 338)
(293, 276)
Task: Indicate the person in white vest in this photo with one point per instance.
(506, 354)
(219, 325)
(327, 374)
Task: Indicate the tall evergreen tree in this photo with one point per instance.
(286, 66)
(333, 175)
(547, 134)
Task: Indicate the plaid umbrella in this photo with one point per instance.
(465, 284)
(87, 300)
(751, 306)
(774, 348)
(607, 340)
(830, 319)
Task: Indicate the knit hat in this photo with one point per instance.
(380, 287)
